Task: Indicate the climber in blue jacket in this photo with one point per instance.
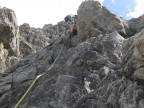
(71, 23)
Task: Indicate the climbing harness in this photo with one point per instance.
(18, 103)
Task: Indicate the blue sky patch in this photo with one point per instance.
(120, 7)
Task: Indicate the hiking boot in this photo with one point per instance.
(71, 33)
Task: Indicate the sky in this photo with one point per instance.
(40, 12)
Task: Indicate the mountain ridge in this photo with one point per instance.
(101, 67)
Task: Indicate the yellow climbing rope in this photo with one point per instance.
(18, 103)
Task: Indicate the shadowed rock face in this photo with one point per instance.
(134, 56)
(34, 39)
(136, 24)
(104, 70)
(85, 76)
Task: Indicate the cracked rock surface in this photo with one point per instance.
(98, 70)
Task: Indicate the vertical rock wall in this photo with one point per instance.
(9, 38)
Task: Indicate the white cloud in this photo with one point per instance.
(113, 1)
(139, 9)
(40, 12)
(101, 1)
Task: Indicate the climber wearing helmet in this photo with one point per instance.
(71, 23)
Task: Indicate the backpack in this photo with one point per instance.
(67, 18)
(70, 18)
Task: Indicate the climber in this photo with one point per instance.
(71, 23)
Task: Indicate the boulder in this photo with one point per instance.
(136, 24)
(134, 54)
(139, 74)
(94, 19)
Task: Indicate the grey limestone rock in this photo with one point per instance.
(98, 68)
(136, 24)
(9, 38)
(34, 39)
(9, 31)
(94, 19)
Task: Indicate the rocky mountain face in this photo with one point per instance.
(9, 38)
(18, 42)
(101, 67)
(95, 19)
(32, 39)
